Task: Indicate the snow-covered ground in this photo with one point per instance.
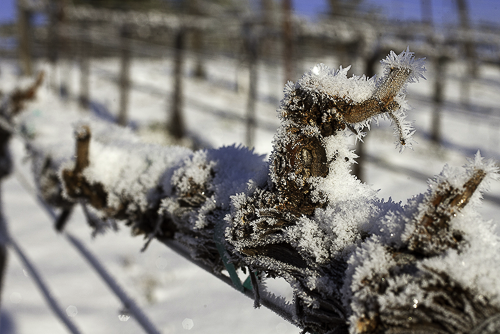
(177, 296)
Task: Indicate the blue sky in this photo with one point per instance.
(443, 10)
(7, 10)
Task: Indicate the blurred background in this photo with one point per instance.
(247, 47)
(207, 73)
(247, 50)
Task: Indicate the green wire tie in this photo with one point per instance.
(218, 237)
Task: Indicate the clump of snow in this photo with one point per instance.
(127, 168)
(216, 174)
(236, 167)
(335, 83)
(339, 185)
(196, 169)
(333, 232)
(393, 217)
(38, 125)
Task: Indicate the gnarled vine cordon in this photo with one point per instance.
(355, 263)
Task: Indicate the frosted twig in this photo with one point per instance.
(152, 235)
(62, 219)
(255, 288)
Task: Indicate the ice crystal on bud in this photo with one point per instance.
(432, 230)
(356, 101)
(406, 60)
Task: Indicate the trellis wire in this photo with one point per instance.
(127, 302)
(37, 278)
(266, 298)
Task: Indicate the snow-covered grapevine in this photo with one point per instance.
(356, 263)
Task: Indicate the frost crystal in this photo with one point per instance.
(406, 60)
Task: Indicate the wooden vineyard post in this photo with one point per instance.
(85, 45)
(24, 35)
(64, 50)
(5, 168)
(124, 75)
(176, 121)
(52, 39)
(288, 41)
(470, 52)
(440, 64)
(251, 46)
(199, 67)
(197, 41)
